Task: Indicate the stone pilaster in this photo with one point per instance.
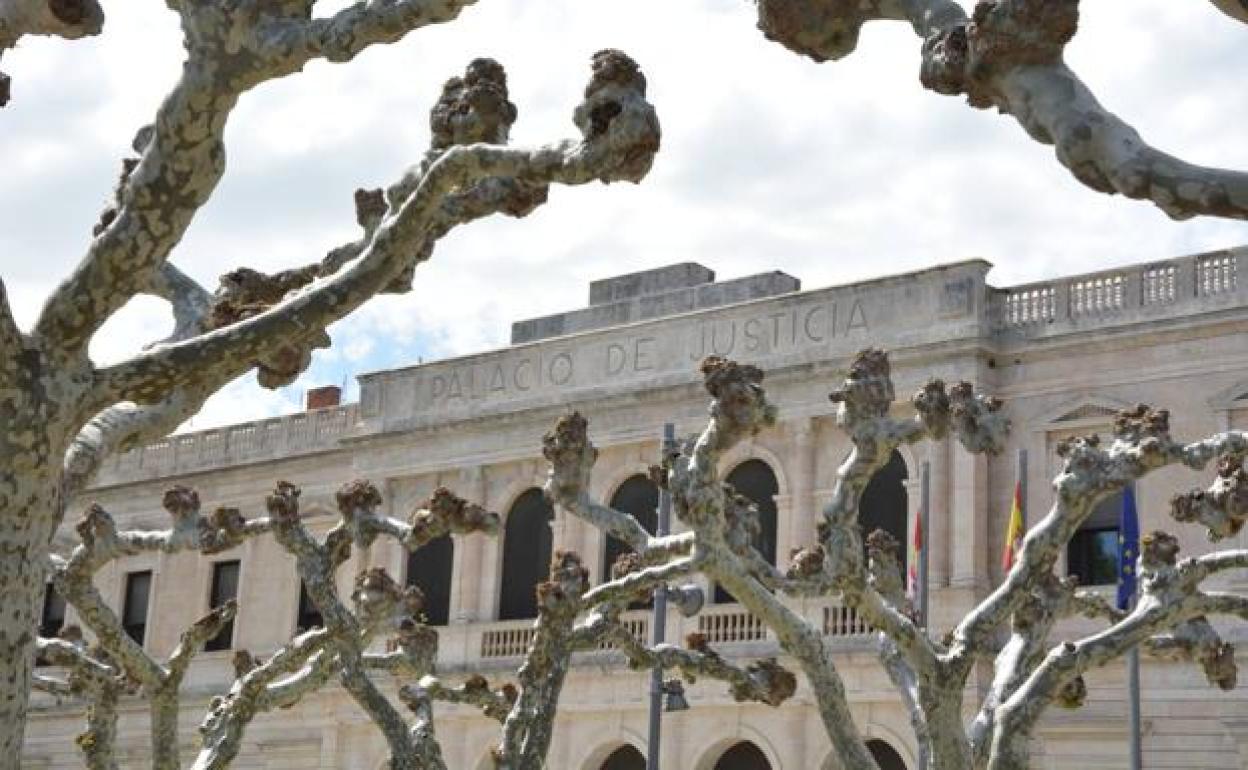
(969, 498)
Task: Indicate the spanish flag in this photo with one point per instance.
(916, 552)
(1014, 535)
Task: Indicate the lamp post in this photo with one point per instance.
(657, 688)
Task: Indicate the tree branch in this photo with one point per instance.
(292, 43)
(617, 144)
(11, 339)
(102, 684)
(231, 48)
(1142, 444)
(1169, 600)
(1236, 9)
(474, 691)
(1009, 56)
(69, 19)
(723, 529)
(529, 727)
(303, 666)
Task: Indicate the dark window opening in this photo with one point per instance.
(429, 569)
(885, 756)
(1092, 554)
(52, 619)
(625, 758)
(885, 505)
(755, 480)
(134, 608)
(743, 756)
(527, 544)
(224, 588)
(309, 616)
(639, 497)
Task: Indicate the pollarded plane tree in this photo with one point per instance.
(1031, 672)
(61, 413)
(372, 645)
(1008, 54)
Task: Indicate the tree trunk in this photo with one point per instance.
(949, 745)
(28, 511)
(164, 711)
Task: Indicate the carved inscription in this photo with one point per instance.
(514, 374)
(511, 376)
(781, 331)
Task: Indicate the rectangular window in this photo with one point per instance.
(53, 617)
(224, 588)
(309, 615)
(1092, 556)
(134, 608)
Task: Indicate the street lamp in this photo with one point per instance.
(674, 696)
(685, 600)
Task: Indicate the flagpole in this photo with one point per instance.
(925, 517)
(1135, 741)
(1133, 707)
(1022, 484)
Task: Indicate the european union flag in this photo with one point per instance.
(1128, 547)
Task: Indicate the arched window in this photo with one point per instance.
(743, 756)
(527, 542)
(429, 569)
(885, 756)
(755, 480)
(885, 504)
(640, 497)
(625, 758)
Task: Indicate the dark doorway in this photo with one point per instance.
(527, 542)
(743, 756)
(885, 505)
(756, 480)
(885, 756)
(625, 758)
(429, 569)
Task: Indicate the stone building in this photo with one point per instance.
(1064, 354)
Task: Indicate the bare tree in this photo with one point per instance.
(1031, 672)
(60, 413)
(571, 618)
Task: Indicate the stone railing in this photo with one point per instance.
(728, 623)
(1200, 280)
(638, 624)
(507, 639)
(293, 434)
(511, 638)
(843, 622)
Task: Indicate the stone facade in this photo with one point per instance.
(1064, 355)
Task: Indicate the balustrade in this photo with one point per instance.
(1101, 295)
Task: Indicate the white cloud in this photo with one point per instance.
(831, 172)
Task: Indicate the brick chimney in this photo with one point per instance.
(324, 396)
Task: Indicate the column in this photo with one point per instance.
(489, 553)
(969, 501)
(466, 571)
(938, 540)
(802, 512)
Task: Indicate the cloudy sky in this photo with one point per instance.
(832, 172)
